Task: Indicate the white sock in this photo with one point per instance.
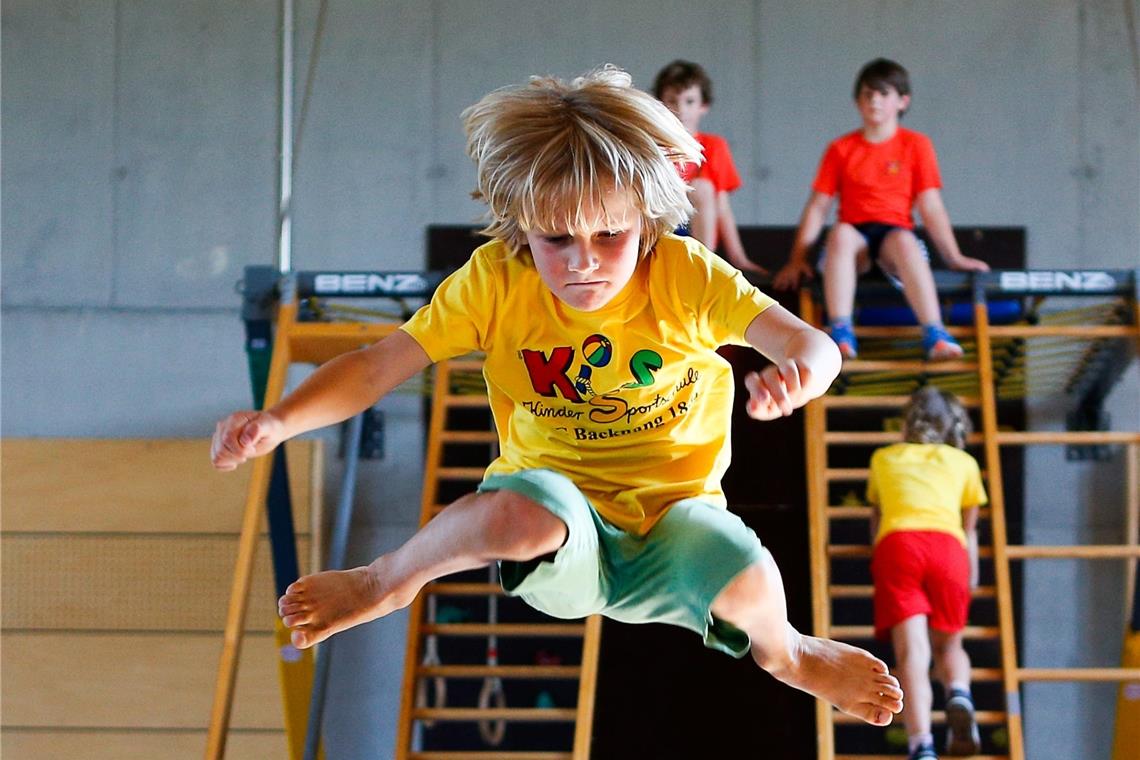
(915, 741)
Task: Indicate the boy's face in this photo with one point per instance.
(880, 108)
(586, 268)
(687, 103)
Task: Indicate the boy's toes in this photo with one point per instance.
(294, 620)
(305, 637)
(890, 690)
(873, 714)
(890, 702)
(891, 699)
(289, 607)
(301, 639)
(880, 705)
(289, 597)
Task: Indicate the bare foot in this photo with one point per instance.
(317, 606)
(848, 677)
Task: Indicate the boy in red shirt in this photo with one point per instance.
(686, 90)
(879, 173)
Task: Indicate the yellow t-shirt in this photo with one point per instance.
(631, 402)
(924, 486)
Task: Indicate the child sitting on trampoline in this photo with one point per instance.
(879, 173)
(687, 90)
(925, 494)
(613, 409)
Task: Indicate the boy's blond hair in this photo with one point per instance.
(546, 150)
(936, 416)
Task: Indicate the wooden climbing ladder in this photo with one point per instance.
(1043, 353)
(461, 443)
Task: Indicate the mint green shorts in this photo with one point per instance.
(670, 575)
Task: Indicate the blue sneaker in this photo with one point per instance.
(962, 736)
(844, 336)
(923, 752)
(938, 345)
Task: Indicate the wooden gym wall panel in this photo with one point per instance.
(48, 744)
(135, 486)
(130, 582)
(132, 680)
(147, 681)
(116, 562)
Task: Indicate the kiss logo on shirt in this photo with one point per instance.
(550, 375)
(554, 375)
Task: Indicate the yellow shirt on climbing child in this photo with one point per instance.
(923, 486)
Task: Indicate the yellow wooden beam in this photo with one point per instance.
(318, 342)
(1126, 736)
(1065, 675)
(243, 572)
(1087, 551)
(815, 423)
(998, 528)
(587, 688)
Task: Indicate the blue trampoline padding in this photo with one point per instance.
(1002, 312)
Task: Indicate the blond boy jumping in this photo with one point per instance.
(600, 331)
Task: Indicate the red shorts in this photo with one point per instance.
(920, 573)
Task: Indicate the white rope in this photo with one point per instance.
(492, 693)
(431, 658)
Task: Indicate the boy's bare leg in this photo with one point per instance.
(901, 255)
(474, 531)
(952, 668)
(847, 677)
(702, 225)
(912, 664)
(951, 663)
(846, 259)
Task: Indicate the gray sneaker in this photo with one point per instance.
(962, 737)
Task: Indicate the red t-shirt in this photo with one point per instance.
(878, 182)
(717, 167)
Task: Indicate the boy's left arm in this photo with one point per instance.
(730, 236)
(937, 223)
(804, 363)
(970, 527)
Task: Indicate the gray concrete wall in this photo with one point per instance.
(138, 147)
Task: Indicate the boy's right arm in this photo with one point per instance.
(339, 389)
(811, 223)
